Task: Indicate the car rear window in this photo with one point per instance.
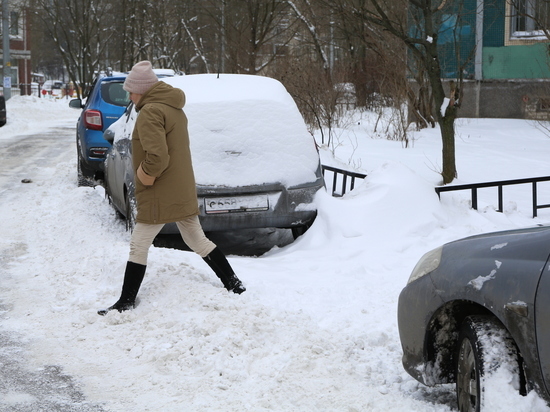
(113, 93)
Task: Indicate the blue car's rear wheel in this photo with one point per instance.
(84, 175)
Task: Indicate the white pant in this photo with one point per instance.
(191, 232)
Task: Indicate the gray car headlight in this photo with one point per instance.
(427, 263)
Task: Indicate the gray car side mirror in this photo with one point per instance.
(109, 135)
(76, 104)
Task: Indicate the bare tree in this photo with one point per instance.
(198, 45)
(251, 33)
(143, 33)
(306, 14)
(359, 45)
(420, 35)
(76, 27)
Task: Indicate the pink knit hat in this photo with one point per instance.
(141, 78)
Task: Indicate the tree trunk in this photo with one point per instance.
(446, 119)
(447, 125)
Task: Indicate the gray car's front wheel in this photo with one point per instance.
(131, 212)
(485, 346)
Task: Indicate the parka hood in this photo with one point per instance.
(162, 92)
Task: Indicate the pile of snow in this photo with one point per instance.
(316, 329)
(30, 114)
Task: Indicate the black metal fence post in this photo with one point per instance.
(534, 199)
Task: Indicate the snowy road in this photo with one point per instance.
(24, 156)
(24, 388)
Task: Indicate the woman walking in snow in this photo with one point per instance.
(164, 182)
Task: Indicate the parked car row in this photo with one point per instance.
(256, 165)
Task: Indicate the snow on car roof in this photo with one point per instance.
(164, 72)
(245, 130)
(229, 87)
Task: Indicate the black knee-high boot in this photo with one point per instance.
(132, 281)
(221, 267)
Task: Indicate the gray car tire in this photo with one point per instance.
(131, 212)
(485, 346)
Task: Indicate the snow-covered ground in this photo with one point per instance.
(316, 329)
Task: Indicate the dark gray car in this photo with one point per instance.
(256, 165)
(2, 111)
(478, 304)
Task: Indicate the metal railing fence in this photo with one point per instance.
(340, 178)
(343, 181)
(473, 187)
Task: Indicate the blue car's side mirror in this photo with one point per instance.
(76, 104)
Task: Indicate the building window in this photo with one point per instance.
(14, 23)
(529, 18)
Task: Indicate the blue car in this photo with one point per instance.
(105, 103)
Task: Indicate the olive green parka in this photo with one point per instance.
(160, 148)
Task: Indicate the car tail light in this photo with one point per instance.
(92, 120)
(98, 151)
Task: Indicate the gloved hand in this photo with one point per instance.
(144, 178)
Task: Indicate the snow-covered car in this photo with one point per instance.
(256, 165)
(478, 307)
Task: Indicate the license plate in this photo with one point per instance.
(236, 204)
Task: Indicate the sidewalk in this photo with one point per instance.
(46, 389)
